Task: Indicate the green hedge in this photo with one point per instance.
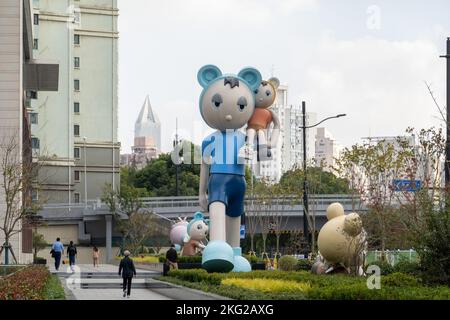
(395, 286)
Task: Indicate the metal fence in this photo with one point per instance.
(392, 256)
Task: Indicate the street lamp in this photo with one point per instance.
(306, 235)
(85, 174)
(179, 161)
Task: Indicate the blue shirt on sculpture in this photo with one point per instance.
(223, 147)
(58, 247)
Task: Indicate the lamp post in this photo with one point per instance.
(179, 160)
(306, 235)
(85, 174)
(447, 144)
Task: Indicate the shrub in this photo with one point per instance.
(385, 267)
(405, 266)
(268, 285)
(304, 264)
(183, 259)
(287, 263)
(26, 284)
(398, 279)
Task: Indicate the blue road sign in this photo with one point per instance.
(407, 185)
(242, 232)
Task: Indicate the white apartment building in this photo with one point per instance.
(289, 152)
(327, 149)
(76, 128)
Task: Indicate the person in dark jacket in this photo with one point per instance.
(127, 270)
(171, 258)
(71, 252)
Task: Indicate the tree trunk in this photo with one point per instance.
(252, 241)
(278, 244)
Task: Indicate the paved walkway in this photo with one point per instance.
(104, 283)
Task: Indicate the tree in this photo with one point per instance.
(262, 203)
(321, 181)
(136, 224)
(279, 221)
(39, 243)
(372, 169)
(158, 177)
(18, 176)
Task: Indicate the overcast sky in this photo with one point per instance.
(368, 59)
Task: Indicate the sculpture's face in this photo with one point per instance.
(224, 106)
(198, 230)
(265, 95)
(227, 102)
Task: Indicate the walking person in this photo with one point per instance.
(95, 255)
(71, 252)
(171, 259)
(127, 270)
(57, 252)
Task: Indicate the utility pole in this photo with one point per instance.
(447, 145)
(177, 187)
(305, 180)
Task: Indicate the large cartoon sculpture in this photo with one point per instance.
(197, 230)
(227, 103)
(262, 118)
(341, 240)
(178, 232)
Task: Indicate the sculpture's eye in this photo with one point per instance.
(267, 92)
(217, 100)
(242, 103)
(199, 227)
(256, 91)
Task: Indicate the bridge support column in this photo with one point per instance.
(108, 219)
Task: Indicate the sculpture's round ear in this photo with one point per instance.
(208, 73)
(251, 76)
(275, 82)
(198, 216)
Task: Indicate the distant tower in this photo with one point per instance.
(147, 135)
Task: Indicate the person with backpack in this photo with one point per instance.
(71, 252)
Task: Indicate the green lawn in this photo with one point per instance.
(263, 285)
(54, 289)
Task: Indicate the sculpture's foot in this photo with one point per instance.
(265, 153)
(240, 263)
(218, 257)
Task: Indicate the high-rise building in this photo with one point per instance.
(22, 78)
(289, 151)
(327, 149)
(76, 128)
(147, 137)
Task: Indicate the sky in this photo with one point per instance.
(368, 59)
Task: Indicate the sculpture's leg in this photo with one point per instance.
(264, 150)
(217, 255)
(233, 238)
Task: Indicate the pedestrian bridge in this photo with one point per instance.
(289, 208)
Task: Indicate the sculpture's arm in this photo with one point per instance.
(275, 131)
(203, 186)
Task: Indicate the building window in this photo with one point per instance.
(76, 197)
(34, 195)
(36, 19)
(76, 130)
(76, 39)
(76, 175)
(35, 44)
(34, 143)
(76, 153)
(76, 84)
(76, 62)
(76, 107)
(33, 118)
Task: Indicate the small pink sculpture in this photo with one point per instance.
(178, 232)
